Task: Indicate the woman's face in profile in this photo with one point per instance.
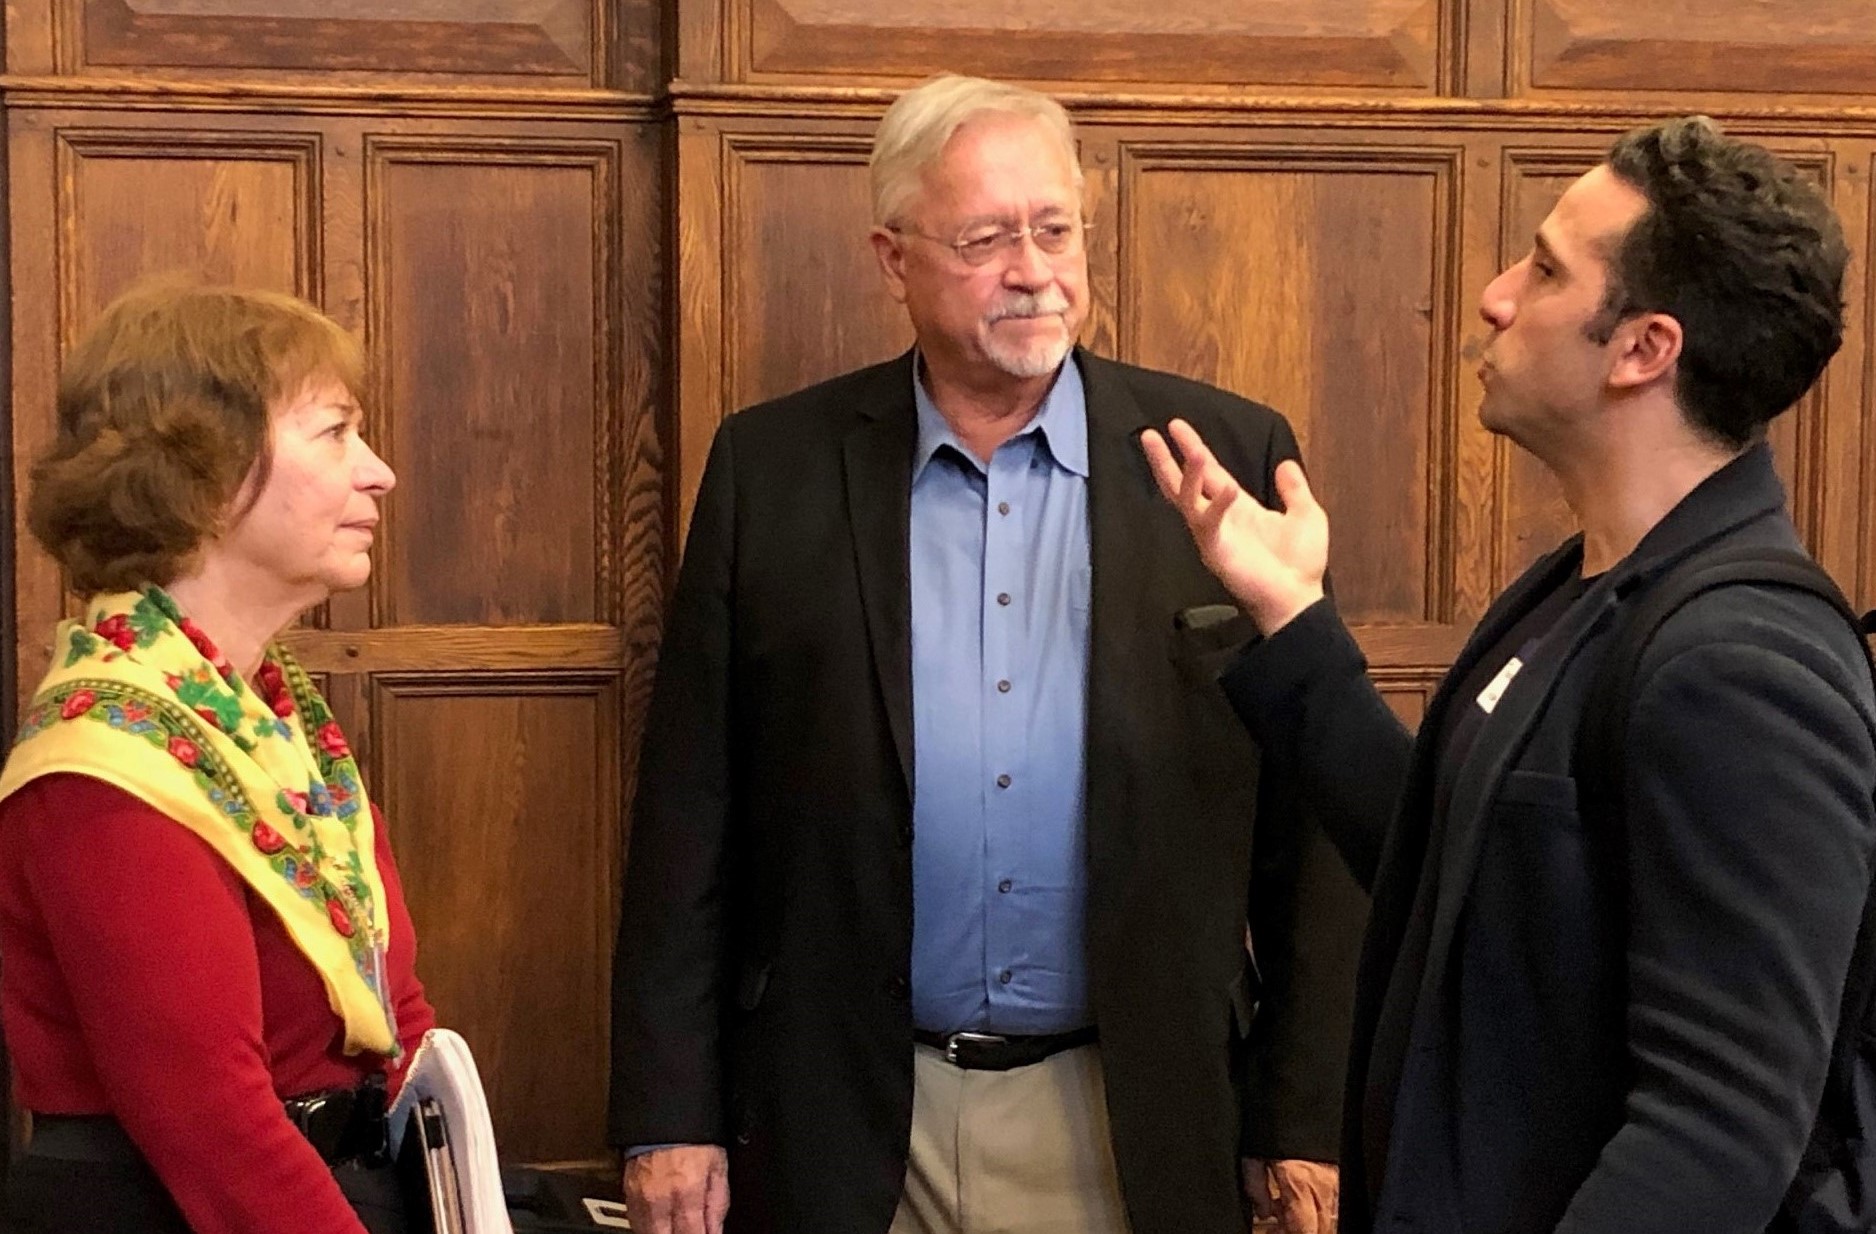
(311, 528)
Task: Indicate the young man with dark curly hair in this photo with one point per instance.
(1602, 1003)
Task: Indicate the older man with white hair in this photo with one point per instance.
(942, 870)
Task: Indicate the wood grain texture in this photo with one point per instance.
(1394, 45)
(503, 794)
(496, 272)
(806, 301)
(550, 39)
(1320, 281)
(1731, 46)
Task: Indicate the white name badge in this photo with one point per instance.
(1489, 696)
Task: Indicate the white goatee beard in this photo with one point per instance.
(1039, 359)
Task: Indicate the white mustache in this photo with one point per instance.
(1024, 304)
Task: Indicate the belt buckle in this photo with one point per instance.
(969, 1038)
(322, 1119)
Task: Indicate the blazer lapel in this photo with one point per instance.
(1512, 604)
(1745, 489)
(877, 456)
(1498, 745)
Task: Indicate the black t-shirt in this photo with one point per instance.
(1472, 707)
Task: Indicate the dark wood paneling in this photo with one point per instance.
(502, 795)
(1407, 696)
(554, 39)
(1395, 45)
(495, 271)
(229, 207)
(805, 297)
(1824, 46)
(1312, 280)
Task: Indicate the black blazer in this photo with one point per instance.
(761, 983)
(1598, 1029)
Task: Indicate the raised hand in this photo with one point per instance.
(1271, 561)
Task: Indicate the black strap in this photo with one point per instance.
(1600, 739)
(1601, 735)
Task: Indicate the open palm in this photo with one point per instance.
(1271, 561)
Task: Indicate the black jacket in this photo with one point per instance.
(761, 986)
(1598, 1028)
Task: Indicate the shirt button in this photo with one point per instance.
(898, 986)
(1006, 976)
(1005, 886)
(1003, 687)
(1003, 598)
(1003, 507)
(1003, 781)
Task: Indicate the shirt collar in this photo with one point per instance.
(1061, 423)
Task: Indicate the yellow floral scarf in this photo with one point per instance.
(140, 698)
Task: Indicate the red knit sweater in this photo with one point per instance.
(143, 980)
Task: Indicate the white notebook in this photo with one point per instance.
(444, 1069)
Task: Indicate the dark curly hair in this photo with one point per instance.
(164, 409)
(1745, 254)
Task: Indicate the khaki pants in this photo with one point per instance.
(1026, 1151)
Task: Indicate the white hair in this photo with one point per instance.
(916, 127)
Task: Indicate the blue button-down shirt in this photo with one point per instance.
(1000, 592)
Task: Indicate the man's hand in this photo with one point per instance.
(1300, 1195)
(681, 1190)
(1271, 562)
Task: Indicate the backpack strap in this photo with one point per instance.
(1601, 736)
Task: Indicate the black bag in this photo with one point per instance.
(1835, 1188)
(550, 1202)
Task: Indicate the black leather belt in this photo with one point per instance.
(342, 1124)
(996, 1052)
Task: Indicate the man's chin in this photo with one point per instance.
(1035, 361)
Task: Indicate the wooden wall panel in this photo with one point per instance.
(502, 793)
(495, 273)
(1396, 45)
(1825, 46)
(229, 207)
(1407, 695)
(553, 39)
(804, 296)
(1311, 279)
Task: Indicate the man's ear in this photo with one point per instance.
(1648, 347)
(890, 251)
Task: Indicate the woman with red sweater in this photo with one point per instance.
(209, 984)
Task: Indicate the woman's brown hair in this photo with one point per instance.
(164, 409)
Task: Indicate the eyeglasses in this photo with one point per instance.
(980, 247)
